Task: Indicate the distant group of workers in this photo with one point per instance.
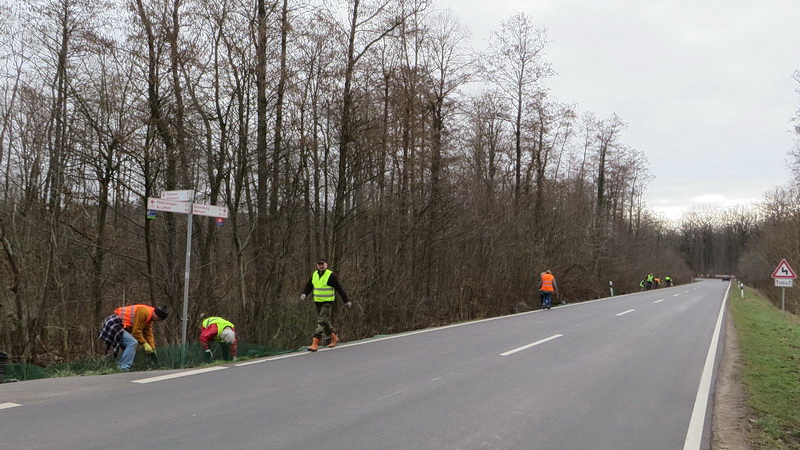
(132, 325)
(653, 282)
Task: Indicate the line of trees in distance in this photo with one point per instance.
(349, 130)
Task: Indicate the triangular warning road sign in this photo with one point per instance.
(783, 270)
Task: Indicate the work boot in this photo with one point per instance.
(334, 340)
(314, 345)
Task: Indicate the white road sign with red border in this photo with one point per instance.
(783, 270)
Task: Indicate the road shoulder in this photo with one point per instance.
(730, 424)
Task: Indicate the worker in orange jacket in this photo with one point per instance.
(137, 323)
(547, 285)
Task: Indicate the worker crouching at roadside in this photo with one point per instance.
(222, 331)
(130, 326)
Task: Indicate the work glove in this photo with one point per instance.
(208, 355)
(148, 348)
(349, 305)
(302, 297)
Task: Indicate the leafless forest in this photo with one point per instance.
(437, 181)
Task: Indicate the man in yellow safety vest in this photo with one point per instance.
(325, 286)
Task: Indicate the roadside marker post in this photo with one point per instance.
(183, 202)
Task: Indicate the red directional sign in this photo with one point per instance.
(783, 270)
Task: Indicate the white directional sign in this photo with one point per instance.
(209, 210)
(178, 196)
(783, 270)
(783, 282)
(182, 202)
(168, 205)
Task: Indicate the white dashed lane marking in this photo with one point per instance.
(532, 344)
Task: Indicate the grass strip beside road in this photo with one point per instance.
(769, 345)
(169, 358)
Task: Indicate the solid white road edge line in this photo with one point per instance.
(178, 375)
(625, 312)
(288, 355)
(694, 435)
(524, 347)
(8, 405)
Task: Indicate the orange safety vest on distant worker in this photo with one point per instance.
(126, 314)
(547, 282)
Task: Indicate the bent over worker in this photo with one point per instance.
(222, 331)
(130, 326)
(547, 286)
(325, 286)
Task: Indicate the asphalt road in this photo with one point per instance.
(618, 373)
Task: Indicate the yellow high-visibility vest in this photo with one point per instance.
(221, 325)
(322, 292)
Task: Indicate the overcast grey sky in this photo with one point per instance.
(706, 87)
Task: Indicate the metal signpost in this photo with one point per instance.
(784, 277)
(183, 202)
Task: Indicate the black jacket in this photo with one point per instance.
(332, 282)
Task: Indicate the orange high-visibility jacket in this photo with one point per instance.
(138, 320)
(548, 282)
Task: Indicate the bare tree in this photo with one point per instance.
(607, 140)
(102, 96)
(369, 23)
(449, 68)
(515, 63)
(487, 142)
(794, 154)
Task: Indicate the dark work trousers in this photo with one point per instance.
(324, 327)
